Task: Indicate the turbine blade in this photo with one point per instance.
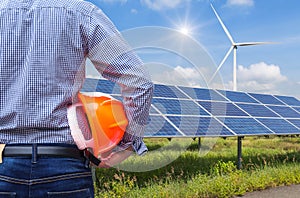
(221, 64)
(223, 26)
(254, 43)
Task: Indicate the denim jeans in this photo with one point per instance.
(45, 177)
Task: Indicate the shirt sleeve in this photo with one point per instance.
(116, 61)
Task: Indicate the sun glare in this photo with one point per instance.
(184, 25)
(185, 30)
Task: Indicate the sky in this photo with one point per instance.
(182, 41)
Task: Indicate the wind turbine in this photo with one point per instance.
(233, 47)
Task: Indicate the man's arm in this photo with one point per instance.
(115, 60)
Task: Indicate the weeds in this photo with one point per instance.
(266, 163)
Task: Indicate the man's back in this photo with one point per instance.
(43, 46)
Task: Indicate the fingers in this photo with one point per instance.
(115, 158)
(103, 165)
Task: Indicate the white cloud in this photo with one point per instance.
(179, 75)
(261, 72)
(162, 4)
(260, 77)
(189, 73)
(240, 2)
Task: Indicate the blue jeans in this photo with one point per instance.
(45, 177)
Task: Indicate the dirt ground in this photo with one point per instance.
(292, 191)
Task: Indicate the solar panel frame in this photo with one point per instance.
(168, 91)
(89, 85)
(238, 96)
(296, 109)
(200, 126)
(284, 111)
(289, 100)
(266, 99)
(160, 127)
(106, 86)
(153, 110)
(202, 94)
(178, 107)
(222, 108)
(279, 126)
(295, 122)
(257, 110)
(243, 126)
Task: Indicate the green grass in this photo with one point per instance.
(178, 169)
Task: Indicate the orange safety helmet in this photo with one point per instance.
(107, 122)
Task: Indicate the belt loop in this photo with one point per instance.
(34, 154)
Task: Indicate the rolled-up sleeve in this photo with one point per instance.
(117, 62)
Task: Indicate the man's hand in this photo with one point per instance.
(115, 158)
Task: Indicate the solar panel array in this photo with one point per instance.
(179, 111)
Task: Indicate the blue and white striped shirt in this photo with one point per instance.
(43, 49)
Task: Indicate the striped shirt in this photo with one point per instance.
(44, 46)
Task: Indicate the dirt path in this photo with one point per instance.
(292, 191)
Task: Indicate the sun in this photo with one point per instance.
(185, 30)
(185, 26)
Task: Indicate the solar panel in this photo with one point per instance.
(178, 107)
(289, 100)
(237, 96)
(279, 126)
(297, 109)
(89, 85)
(202, 94)
(295, 122)
(180, 111)
(285, 112)
(246, 126)
(153, 111)
(200, 126)
(167, 91)
(159, 127)
(100, 85)
(222, 108)
(266, 99)
(256, 110)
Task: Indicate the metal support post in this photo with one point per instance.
(199, 144)
(239, 160)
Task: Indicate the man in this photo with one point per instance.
(43, 48)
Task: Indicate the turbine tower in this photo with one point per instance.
(233, 47)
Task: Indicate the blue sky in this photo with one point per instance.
(271, 69)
